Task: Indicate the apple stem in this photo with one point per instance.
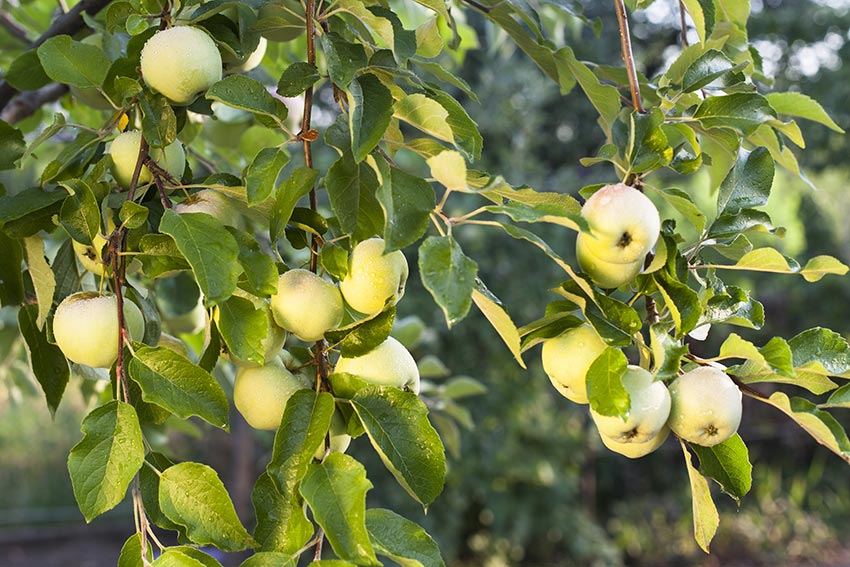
(628, 57)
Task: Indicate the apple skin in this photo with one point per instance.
(650, 408)
(260, 393)
(389, 364)
(373, 277)
(124, 151)
(707, 406)
(606, 275)
(181, 63)
(567, 358)
(306, 305)
(212, 203)
(85, 327)
(339, 439)
(252, 61)
(636, 450)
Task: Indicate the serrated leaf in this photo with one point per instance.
(46, 360)
(133, 215)
(297, 78)
(296, 186)
(741, 111)
(821, 350)
(282, 526)
(465, 132)
(702, 14)
(364, 335)
(269, 559)
(425, 114)
(344, 58)
(176, 558)
(771, 260)
(131, 553)
(247, 94)
(449, 169)
(261, 176)
(448, 275)
(12, 146)
(748, 183)
(501, 322)
(73, 62)
(104, 462)
(708, 68)
(407, 202)
(728, 464)
(641, 141)
(667, 353)
(159, 123)
(604, 98)
(605, 389)
(80, 214)
(683, 203)
(244, 327)
(370, 112)
(798, 104)
(259, 267)
(401, 540)
(706, 519)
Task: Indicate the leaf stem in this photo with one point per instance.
(628, 56)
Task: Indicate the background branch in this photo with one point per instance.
(12, 26)
(26, 104)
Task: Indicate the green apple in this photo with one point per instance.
(650, 408)
(707, 406)
(187, 323)
(604, 274)
(212, 203)
(181, 63)
(260, 393)
(389, 364)
(306, 305)
(252, 61)
(90, 255)
(124, 152)
(85, 327)
(567, 358)
(90, 96)
(373, 277)
(339, 438)
(637, 450)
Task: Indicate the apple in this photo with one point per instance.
(85, 327)
(260, 393)
(180, 63)
(339, 439)
(637, 450)
(124, 152)
(187, 323)
(373, 277)
(212, 203)
(706, 408)
(306, 305)
(624, 226)
(650, 408)
(389, 364)
(252, 61)
(567, 358)
(90, 255)
(90, 96)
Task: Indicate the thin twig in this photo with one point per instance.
(14, 28)
(684, 24)
(628, 57)
(319, 539)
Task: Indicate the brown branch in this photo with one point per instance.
(628, 57)
(14, 28)
(26, 104)
(684, 24)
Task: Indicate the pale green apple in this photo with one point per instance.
(706, 408)
(211, 202)
(124, 152)
(650, 408)
(389, 364)
(85, 327)
(90, 96)
(567, 358)
(604, 274)
(187, 323)
(373, 277)
(181, 63)
(252, 61)
(260, 393)
(306, 305)
(339, 439)
(636, 450)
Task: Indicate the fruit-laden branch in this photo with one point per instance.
(628, 57)
(69, 24)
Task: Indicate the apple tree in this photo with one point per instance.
(253, 177)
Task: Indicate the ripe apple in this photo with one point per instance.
(90, 96)
(389, 364)
(624, 226)
(373, 277)
(636, 450)
(85, 327)
(212, 203)
(124, 151)
(339, 439)
(306, 305)
(181, 63)
(567, 358)
(252, 61)
(260, 393)
(706, 407)
(650, 408)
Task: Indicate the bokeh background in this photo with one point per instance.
(529, 482)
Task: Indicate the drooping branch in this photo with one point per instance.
(628, 57)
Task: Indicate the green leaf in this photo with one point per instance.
(172, 557)
(270, 559)
(776, 354)
(706, 518)
(41, 275)
(683, 203)
(821, 350)
(104, 462)
(741, 111)
(398, 427)
(605, 389)
(407, 201)
(131, 552)
(73, 62)
(682, 301)
(702, 14)
(798, 104)
(335, 490)
(261, 176)
(560, 213)
(728, 464)
(771, 260)
(604, 98)
(449, 169)
(465, 132)
(244, 327)
(80, 214)
(208, 247)
(11, 274)
(364, 335)
(425, 114)
(748, 183)
(449, 275)
(46, 360)
(149, 488)
(614, 320)
(25, 73)
(296, 186)
(159, 123)
(191, 494)
(29, 201)
(344, 58)
(370, 112)
(133, 215)
(12, 146)
(297, 78)
(172, 381)
(351, 191)
(711, 66)
(282, 526)
(247, 94)
(401, 540)
(641, 141)
(501, 322)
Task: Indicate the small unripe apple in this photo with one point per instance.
(212, 203)
(650, 408)
(90, 96)
(637, 450)
(306, 305)
(339, 439)
(124, 152)
(85, 327)
(181, 63)
(567, 358)
(373, 277)
(389, 364)
(252, 61)
(260, 393)
(706, 408)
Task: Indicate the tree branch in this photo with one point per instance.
(628, 57)
(12, 26)
(684, 24)
(26, 104)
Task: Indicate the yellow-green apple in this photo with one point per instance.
(567, 358)
(373, 277)
(251, 61)
(648, 412)
(706, 407)
(90, 255)
(124, 152)
(389, 364)
(85, 327)
(181, 63)
(212, 203)
(636, 450)
(260, 393)
(306, 305)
